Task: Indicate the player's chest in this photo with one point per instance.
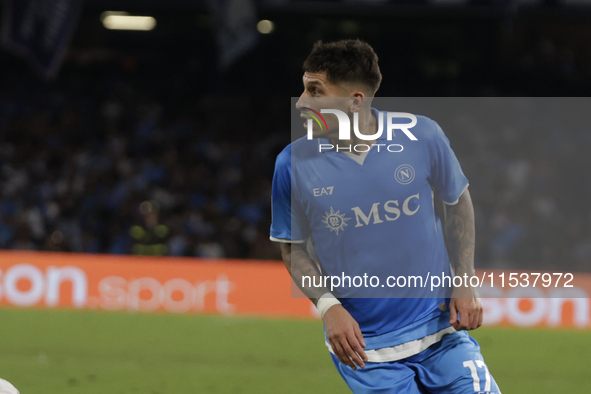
(383, 182)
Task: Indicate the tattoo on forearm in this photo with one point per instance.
(299, 265)
(461, 235)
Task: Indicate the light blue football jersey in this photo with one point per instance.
(373, 215)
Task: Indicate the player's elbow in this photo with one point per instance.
(286, 253)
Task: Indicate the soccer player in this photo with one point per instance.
(372, 210)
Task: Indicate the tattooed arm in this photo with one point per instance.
(458, 224)
(460, 235)
(299, 264)
(342, 331)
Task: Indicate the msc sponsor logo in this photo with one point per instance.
(335, 221)
(392, 210)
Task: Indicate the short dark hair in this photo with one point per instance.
(345, 61)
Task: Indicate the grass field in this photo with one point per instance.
(57, 352)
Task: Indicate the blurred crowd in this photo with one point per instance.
(96, 164)
(109, 160)
(528, 169)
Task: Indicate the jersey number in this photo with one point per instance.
(475, 377)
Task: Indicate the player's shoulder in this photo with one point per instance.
(284, 157)
(299, 149)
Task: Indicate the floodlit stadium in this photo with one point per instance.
(151, 214)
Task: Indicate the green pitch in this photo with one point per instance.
(60, 352)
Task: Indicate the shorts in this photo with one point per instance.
(453, 365)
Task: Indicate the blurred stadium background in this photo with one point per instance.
(117, 142)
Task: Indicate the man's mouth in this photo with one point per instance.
(305, 117)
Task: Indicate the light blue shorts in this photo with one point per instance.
(453, 365)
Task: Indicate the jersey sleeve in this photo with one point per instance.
(288, 220)
(447, 176)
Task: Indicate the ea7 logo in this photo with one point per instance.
(323, 191)
(392, 210)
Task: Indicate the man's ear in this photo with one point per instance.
(357, 102)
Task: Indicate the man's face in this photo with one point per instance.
(319, 94)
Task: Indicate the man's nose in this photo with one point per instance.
(302, 102)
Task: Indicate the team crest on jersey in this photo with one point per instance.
(335, 221)
(404, 174)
